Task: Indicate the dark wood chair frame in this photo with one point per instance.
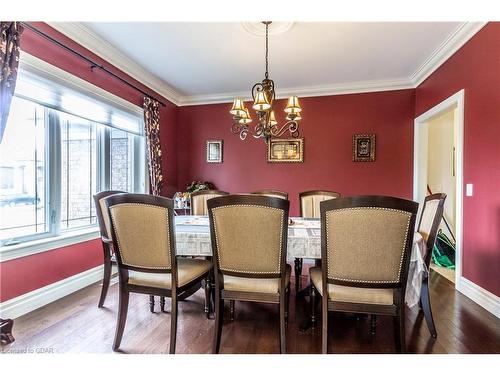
(204, 192)
(107, 243)
(298, 263)
(176, 293)
(282, 194)
(396, 310)
(282, 299)
(425, 302)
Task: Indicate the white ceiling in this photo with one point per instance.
(214, 61)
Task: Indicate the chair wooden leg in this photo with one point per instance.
(282, 325)
(373, 323)
(298, 273)
(122, 318)
(426, 307)
(231, 309)
(173, 323)
(162, 304)
(287, 304)
(105, 280)
(152, 303)
(313, 305)
(399, 331)
(219, 319)
(207, 296)
(324, 325)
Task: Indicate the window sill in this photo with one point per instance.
(47, 244)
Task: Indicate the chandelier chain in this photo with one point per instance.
(267, 50)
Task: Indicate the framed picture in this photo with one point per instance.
(285, 150)
(363, 147)
(215, 151)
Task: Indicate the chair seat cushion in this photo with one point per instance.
(250, 284)
(188, 269)
(342, 293)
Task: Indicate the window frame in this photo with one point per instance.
(55, 236)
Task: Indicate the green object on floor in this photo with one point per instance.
(443, 253)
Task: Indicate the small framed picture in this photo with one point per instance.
(285, 150)
(215, 151)
(363, 147)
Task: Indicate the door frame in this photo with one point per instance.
(420, 147)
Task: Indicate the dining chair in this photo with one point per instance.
(366, 244)
(249, 239)
(107, 243)
(309, 208)
(143, 238)
(271, 193)
(430, 219)
(199, 200)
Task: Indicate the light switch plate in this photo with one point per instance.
(468, 190)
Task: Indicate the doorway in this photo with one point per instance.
(438, 168)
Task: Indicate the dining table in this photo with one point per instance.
(192, 235)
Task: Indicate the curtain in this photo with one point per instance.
(152, 128)
(10, 35)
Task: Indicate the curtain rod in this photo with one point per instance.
(92, 63)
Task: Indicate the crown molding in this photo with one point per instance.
(450, 45)
(308, 91)
(94, 43)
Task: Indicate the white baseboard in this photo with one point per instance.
(481, 296)
(18, 306)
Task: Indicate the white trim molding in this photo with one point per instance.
(481, 296)
(23, 304)
(94, 43)
(450, 45)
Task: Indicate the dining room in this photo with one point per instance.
(198, 186)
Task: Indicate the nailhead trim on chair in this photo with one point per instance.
(404, 243)
(118, 240)
(281, 239)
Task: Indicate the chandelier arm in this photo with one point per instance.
(291, 126)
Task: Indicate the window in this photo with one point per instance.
(59, 148)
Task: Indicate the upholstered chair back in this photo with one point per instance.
(102, 213)
(142, 228)
(272, 193)
(310, 200)
(200, 198)
(367, 240)
(432, 213)
(249, 234)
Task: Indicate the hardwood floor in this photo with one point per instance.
(75, 324)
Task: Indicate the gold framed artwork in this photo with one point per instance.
(285, 150)
(215, 149)
(363, 147)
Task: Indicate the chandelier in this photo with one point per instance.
(263, 95)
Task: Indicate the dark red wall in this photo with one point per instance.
(25, 274)
(328, 125)
(476, 69)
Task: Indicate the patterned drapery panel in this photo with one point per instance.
(152, 127)
(10, 35)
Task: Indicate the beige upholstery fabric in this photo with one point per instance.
(342, 293)
(199, 203)
(248, 284)
(366, 244)
(310, 205)
(428, 216)
(143, 235)
(187, 270)
(248, 238)
(105, 217)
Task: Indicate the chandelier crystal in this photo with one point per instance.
(263, 95)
